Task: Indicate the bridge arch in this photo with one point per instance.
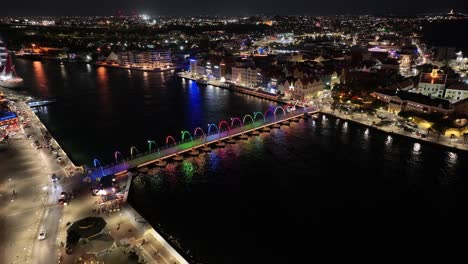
(268, 111)
(212, 125)
(221, 124)
(116, 156)
(259, 113)
(198, 129)
(96, 162)
(185, 132)
(235, 119)
(151, 142)
(279, 107)
(251, 118)
(132, 149)
(170, 138)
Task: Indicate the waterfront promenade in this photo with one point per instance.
(392, 130)
(239, 89)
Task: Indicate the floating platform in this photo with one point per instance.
(178, 158)
(194, 152)
(276, 126)
(244, 136)
(220, 144)
(255, 133)
(161, 163)
(266, 129)
(206, 149)
(285, 123)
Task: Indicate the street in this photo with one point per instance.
(29, 198)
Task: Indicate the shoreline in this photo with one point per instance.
(238, 89)
(461, 147)
(20, 100)
(137, 69)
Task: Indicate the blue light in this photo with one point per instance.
(7, 115)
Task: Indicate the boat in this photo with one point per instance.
(8, 77)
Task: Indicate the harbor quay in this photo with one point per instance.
(43, 192)
(239, 89)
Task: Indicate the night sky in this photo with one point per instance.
(231, 7)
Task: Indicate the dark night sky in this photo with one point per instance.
(231, 7)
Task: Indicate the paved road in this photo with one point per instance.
(38, 165)
(45, 251)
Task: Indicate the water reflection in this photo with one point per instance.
(63, 71)
(104, 89)
(40, 78)
(388, 142)
(366, 134)
(416, 148)
(344, 129)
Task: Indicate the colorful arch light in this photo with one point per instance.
(185, 132)
(259, 113)
(251, 118)
(279, 107)
(198, 129)
(116, 155)
(173, 140)
(96, 162)
(133, 148)
(268, 111)
(221, 124)
(151, 142)
(209, 128)
(233, 120)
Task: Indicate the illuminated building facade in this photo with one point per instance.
(432, 84)
(246, 76)
(146, 59)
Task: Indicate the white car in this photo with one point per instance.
(42, 234)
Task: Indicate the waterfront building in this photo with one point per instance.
(458, 91)
(302, 89)
(246, 76)
(146, 59)
(432, 84)
(403, 101)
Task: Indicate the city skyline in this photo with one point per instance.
(212, 7)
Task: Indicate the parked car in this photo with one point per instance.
(54, 177)
(42, 234)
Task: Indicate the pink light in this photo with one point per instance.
(173, 140)
(224, 122)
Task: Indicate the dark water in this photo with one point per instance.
(100, 110)
(317, 185)
(282, 197)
